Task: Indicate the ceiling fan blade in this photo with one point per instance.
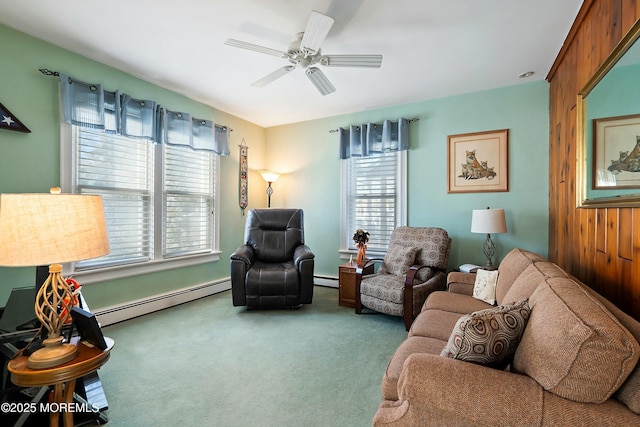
(320, 81)
(255, 47)
(372, 61)
(316, 31)
(273, 76)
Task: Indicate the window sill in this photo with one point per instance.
(347, 253)
(122, 271)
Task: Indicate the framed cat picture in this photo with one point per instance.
(478, 162)
(616, 152)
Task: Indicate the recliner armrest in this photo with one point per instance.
(244, 253)
(368, 267)
(302, 253)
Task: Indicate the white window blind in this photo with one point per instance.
(121, 171)
(373, 198)
(188, 201)
(158, 199)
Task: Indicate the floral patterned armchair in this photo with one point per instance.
(414, 266)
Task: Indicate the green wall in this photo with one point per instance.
(307, 153)
(31, 162)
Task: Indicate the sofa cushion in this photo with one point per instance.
(394, 368)
(484, 287)
(573, 346)
(488, 337)
(510, 268)
(398, 259)
(434, 324)
(453, 302)
(530, 278)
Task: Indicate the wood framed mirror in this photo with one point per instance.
(608, 130)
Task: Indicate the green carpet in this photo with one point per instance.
(207, 363)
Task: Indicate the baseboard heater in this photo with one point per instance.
(330, 282)
(118, 313)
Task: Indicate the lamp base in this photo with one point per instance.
(53, 353)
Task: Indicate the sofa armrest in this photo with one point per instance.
(461, 283)
(435, 390)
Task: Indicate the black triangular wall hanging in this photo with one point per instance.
(9, 121)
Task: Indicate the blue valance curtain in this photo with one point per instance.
(89, 105)
(371, 139)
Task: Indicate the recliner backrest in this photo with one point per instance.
(274, 234)
(433, 243)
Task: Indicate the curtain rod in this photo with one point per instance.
(48, 72)
(415, 119)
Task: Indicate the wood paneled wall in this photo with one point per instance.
(599, 246)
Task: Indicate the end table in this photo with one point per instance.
(347, 283)
(63, 377)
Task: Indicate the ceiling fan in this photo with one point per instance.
(304, 52)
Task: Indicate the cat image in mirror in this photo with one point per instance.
(627, 161)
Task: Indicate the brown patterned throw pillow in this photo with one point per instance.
(489, 337)
(398, 259)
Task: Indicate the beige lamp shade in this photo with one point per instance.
(42, 229)
(488, 221)
(270, 176)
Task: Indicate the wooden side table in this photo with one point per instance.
(347, 283)
(63, 377)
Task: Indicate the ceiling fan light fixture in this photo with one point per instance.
(320, 81)
(304, 53)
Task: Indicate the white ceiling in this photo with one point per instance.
(431, 48)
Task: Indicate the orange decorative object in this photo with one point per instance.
(67, 304)
(362, 253)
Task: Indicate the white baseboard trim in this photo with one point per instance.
(121, 312)
(330, 282)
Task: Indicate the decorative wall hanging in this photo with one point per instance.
(9, 121)
(478, 162)
(243, 190)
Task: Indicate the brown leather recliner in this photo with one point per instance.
(274, 268)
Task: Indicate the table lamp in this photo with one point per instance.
(40, 229)
(270, 177)
(488, 221)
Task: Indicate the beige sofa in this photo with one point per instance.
(576, 363)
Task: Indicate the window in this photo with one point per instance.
(374, 198)
(188, 201)
(159, 199)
